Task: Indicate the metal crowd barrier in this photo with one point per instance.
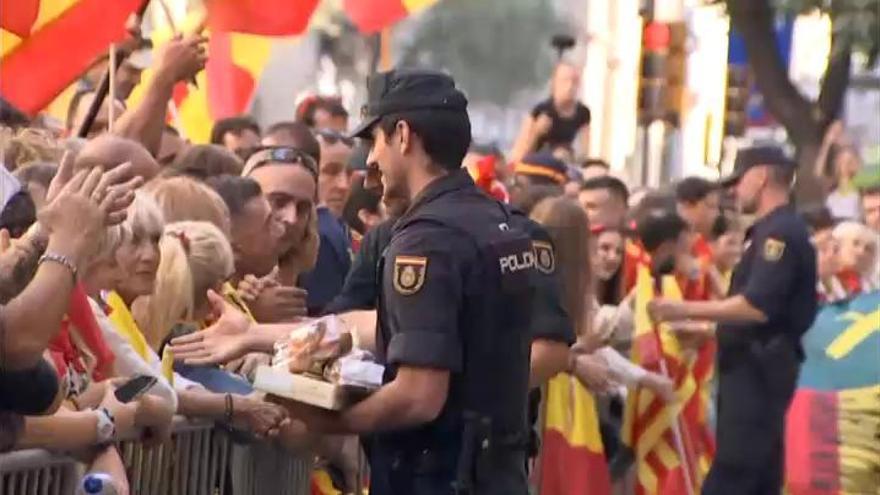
(37, 471)
(200, 459)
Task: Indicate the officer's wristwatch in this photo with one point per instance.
(106, 426)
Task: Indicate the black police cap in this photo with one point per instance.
(754, 156)
(407, 89)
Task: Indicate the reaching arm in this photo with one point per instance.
(68, 430)
(585, 140)
(525, 141)
(731, 309)
(30, 320)
(180, 60)
(549, 358)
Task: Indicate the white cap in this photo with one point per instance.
(9, 186)
(140, 59)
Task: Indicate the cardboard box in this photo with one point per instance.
(307, 389)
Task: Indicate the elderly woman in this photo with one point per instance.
(138, 261)
(858, 257)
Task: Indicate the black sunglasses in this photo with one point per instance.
(332, 137)
(280, 154)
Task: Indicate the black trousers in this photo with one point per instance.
(755, 387)
(737, 479)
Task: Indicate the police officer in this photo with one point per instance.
(771, 303)
(455, 308)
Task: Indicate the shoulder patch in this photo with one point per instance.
(773, 249)
(545, 260)
(409, 274)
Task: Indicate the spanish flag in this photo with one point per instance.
(572, 456)
(47, 44)
(670, 453)
(263, 17)
(372, 16)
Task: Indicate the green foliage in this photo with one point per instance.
(494, 48)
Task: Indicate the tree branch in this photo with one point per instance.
(836, 80)
(753, 19)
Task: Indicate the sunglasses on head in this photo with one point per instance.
(332, 137)
(280, 154)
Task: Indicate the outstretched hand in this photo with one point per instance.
(661, 310)
(221, 342)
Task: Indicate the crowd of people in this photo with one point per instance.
(133, 252)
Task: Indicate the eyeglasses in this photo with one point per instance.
(280, 154)
(332, 137)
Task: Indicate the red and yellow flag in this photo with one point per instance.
(47, 44)
(372, 16)
(264, 17)
(669, 440)
(572, 456)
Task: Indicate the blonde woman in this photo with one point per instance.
(185, 199)
(182, 198)
(857, 256)
(139, 261)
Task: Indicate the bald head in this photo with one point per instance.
(109, 151)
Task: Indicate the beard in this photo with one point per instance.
(395, 189)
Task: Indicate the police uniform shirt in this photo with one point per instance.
(361, 289)
(758, 363)
(777, 275)
(549, 319)
(423, 277)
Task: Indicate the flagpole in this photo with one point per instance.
(104, 86)
(676, 434)
(111, 113)
(676, 426)
(385, 58)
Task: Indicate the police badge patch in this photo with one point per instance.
(545, 261)
(409, 274)
(773, 249)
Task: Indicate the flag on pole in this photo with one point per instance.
(572, 455)
(47, 44)
(372, 16)
(665, 440)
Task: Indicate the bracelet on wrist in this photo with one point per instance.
(59, 259)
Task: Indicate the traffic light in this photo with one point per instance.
(736, 100)
(652, 75)
(676, 66)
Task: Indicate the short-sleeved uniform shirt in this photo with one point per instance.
(777, 275)
(564, 129)
(759, 362)
(429, 275)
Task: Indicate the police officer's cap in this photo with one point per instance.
(405, 90)
(755, 156)
(543, 164)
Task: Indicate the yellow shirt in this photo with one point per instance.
(232, 297)
(126, 325)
